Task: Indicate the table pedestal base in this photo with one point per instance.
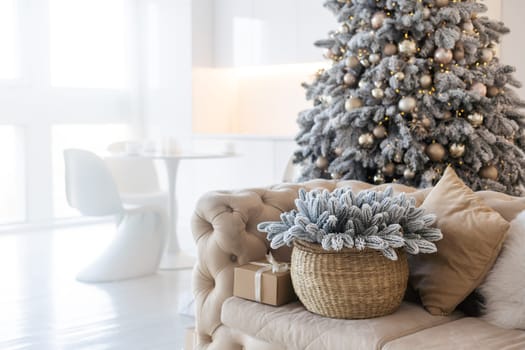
(177, 261)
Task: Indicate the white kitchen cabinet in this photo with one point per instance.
(269, 32)
(230, 42)
(278, 28)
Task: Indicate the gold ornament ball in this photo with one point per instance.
(338, 151)
(377, 19)
(407, 104)
(353, 103)
(409, 174)
(426, 81)
(352, 62)
(365, 63)
(366, 140)
(456, 150)
(362, 84)
(378, 93)
(379, 131)
(475, 119)
(321, 162)
(489, 172)
(379, 178)
(468, 27)
(328, 53)
(349, 79)
(399, 75)
(398, 157)
(492, 91)
(388, 169)
(441, 3)
(374, 58)
(486, 55)
(459, 54)
(479, 88)
(407, 47)
(446, 115)
(435, 152)
(426, 13)
(389, 49)
(335, 176)
(443, 56)
(426, 122)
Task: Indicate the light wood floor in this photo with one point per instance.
(43, 307)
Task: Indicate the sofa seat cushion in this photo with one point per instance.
(466, 334)
(294, 327)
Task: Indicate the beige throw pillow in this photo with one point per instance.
(473, 235)
(508, 206)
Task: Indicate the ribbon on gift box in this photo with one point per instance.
(272, 265)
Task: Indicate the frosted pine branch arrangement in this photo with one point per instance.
(370, 219)
(413, 86)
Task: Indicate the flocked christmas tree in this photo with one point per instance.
(414, 86)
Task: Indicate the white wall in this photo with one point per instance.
(512, 49)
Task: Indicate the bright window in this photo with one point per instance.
(8, 39)
(92, 137)
(12, 194)
(88, 44)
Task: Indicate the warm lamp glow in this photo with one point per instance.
(250, 100)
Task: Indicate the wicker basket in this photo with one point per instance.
(348, 283)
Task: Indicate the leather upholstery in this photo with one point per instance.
(224, 227)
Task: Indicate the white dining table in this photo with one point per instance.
(173, 258)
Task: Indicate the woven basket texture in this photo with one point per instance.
(349, 284)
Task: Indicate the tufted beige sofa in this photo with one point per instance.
(224, 228)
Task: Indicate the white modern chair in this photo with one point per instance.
(138, 245)
(136, 178)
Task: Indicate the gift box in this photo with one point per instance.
(264, 282)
